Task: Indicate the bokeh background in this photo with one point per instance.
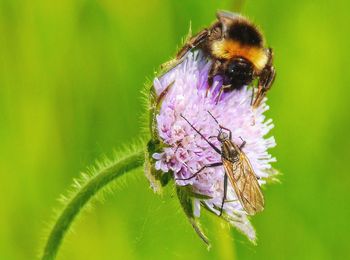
(71, 73)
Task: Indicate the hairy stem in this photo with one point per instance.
(82, 197)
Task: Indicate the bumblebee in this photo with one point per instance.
(237, 50)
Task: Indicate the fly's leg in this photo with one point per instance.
(242, 144)
(225, 194)
(201, 169)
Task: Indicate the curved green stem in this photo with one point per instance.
(82, 197)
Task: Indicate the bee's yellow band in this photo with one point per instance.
(228, 49)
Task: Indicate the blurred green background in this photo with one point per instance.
(70, 79)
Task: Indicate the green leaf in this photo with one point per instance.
(189, 189)
(187, 203)
(155, 176)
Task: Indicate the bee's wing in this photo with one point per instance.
(223, 14)
(245, 184)
(226, 18)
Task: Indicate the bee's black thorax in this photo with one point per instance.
(245, 33)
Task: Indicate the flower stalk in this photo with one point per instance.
(81, 198)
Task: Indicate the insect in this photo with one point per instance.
(237, 50)
(238, 171)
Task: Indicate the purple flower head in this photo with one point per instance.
(185, 152)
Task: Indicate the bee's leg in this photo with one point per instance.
(222, 89)
(252, 97)
(192, 43)
(169, 65)
(225, 194)
(163, 93)
(266, 79)
(214, 70)
(265, 82)
(181, 54)
(201, 169)
(219, 96)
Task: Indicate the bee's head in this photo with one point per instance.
(222, 136)
(239, 72)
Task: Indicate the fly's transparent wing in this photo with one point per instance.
(245, 184)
